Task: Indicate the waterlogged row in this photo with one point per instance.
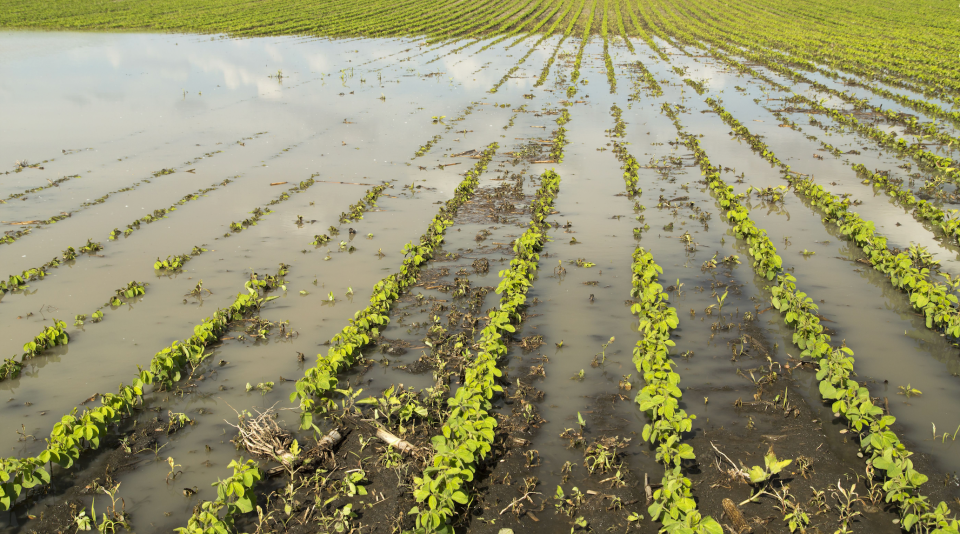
(161, 213)
(176, 262)
(673, 506)
(533, 48)
(172, 263)
(467, 434)
(10, 237)
(51, 183)
(908, 271)
(314, 391)
(16, 282)
(745, 29)
(368, 201)
(881, 446)
(660, 397)
(921, 209)
(778, 63)
(77, 433)
(792, 34)
(52, 336)
(922, 131)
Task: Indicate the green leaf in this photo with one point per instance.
(757, 474)
(711, 526)
(882, 463)
(778, 466)
(827, 390)
(245, 504)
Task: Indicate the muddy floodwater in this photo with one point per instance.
(237, 157)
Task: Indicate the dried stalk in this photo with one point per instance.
(263, 437)
(403, 446)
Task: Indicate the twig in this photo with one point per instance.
(518, 499)
(736, 471)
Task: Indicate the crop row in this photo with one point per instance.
(921, 209)
(439, 20)
(320, 381)
(943, 165)
(923, 106)
(543, 20)
(435, 24)
(490, 11)
(619, 127)
(176, 262)
(258, 213)
(468, 433)
(426, 147)
(560, 137)
(779, 63)
(934, 300)
(607, 60)
(19, 281)
(907, 271)
(620, 26)
(546, 68)
(929, 71)
(698, 86)
(679, 32)
(537, 17)
(661, 395)
(648, 21)
(640, 31)
(660, 398)
(497, 20)
(630, 167)
(77, 433)
(648, 81)
(368, 201)
(361, 18)
(162, 212)
(235, 496)
(513, 69)
(883, 449)
(313, 390)
(52, 183)
(749, 30)
(14, 282)
(52, 336)
(575, 75)
(929, 129)
(11, 237)
(494, 13)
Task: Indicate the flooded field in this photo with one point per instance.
(589, 271)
